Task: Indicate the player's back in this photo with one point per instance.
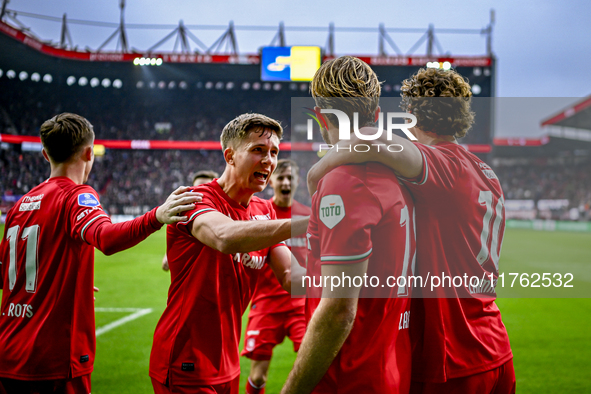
(47, 321)
(358, 211)
(457, 330)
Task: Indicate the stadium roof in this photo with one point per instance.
(577, 116)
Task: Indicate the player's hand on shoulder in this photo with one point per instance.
(179, 201)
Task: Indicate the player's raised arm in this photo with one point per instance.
(406, 162)
(229, 236)
(111, 238)
(327, 331)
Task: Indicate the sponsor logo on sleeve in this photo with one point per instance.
(332, 210)
(87, 200)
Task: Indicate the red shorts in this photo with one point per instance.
(78, 385)
(231, 387)
(500, 380)
(265, 331)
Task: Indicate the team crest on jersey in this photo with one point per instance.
(332, 210)
(87, 200)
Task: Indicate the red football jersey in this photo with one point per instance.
(47, 322)
(196, 340)
(460, 226)
(361, 211)
(269, 296)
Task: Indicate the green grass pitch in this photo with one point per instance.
(551, 338)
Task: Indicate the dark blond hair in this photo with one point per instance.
(450, 115)
(287, 163)
(239, 128)
(64, 135)
(347, 84)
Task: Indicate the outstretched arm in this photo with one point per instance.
(406, 162)
(229, 236)
(111, 238)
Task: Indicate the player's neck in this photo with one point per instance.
(69, 170)
(234, 190)
(428, 138)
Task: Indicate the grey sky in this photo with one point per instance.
(543, 47)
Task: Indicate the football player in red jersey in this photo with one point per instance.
(460, 344)
(362, 226)
(199, 178)
(215, 258)
(47, 331)
(274, 314)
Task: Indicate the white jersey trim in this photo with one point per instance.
(88, 224)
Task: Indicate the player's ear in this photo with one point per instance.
(87, 153)
(378, 110)
(229, 155)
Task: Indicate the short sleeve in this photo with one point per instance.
(210, 203)
(347, 212)
(84, 209)
(440, 170)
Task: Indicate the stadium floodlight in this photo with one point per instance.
(219, 85)
(10, 74)
(256, 86)
(23, 75)
(35, 77)
(397, 88)
(117, 84)
(183, 85)
(139, 84)
(47, 78)
(1, 72)
(387, 88)
(277, 87)
(230, 86)
(171, 85)
(293, 86)
(208, 85)
(446, 65)
(487, 72)
(477, 71)
(147, 61)
(267, 86)
(106, 83)
(303, 87)
(82, 81)
(161, 85)
(433, 65)
(476, 89)
(152, 84)
(71, 80)
(94, 82)
(245, 86)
